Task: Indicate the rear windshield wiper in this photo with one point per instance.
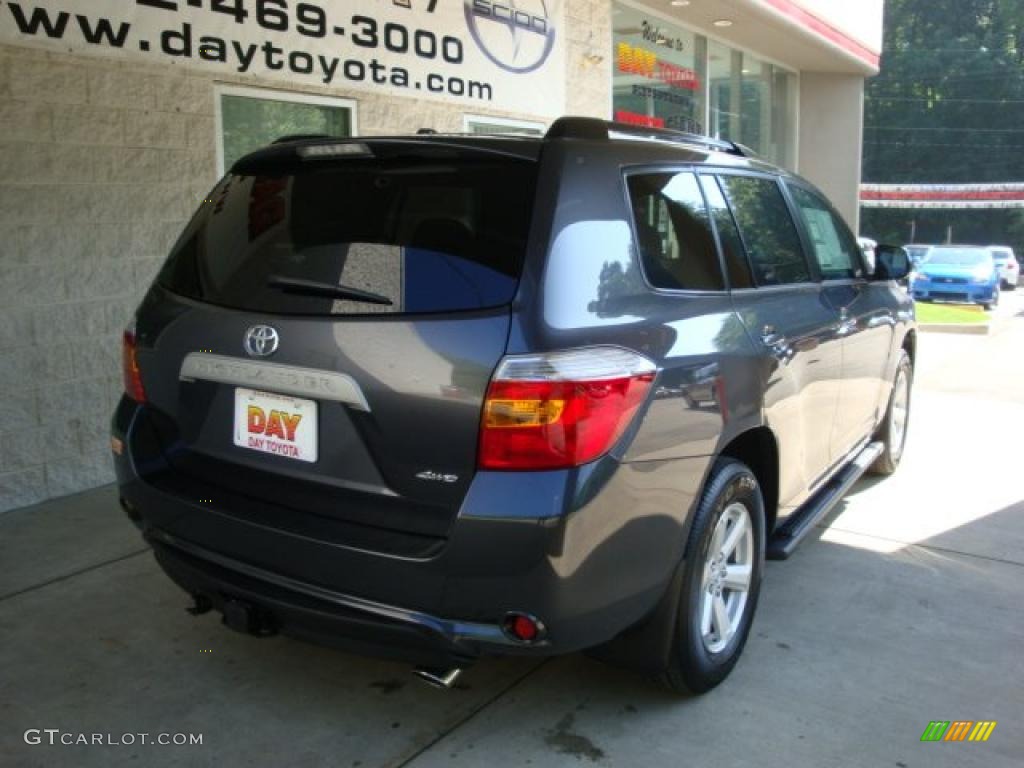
(327, 290)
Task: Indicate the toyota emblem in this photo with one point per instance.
(261, 341)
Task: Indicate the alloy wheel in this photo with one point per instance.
(728, 569)
(900, 413)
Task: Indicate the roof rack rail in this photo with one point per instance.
(426, 132)
(301, 137)
(594, 129)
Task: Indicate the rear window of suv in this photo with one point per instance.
(406, 231)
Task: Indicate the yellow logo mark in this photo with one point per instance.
(982, 730)
(636, 60)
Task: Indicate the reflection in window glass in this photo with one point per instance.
(773, 245)
(673, 232)
(833, 246)
(433, 233)
(732, 245)
(252, 122)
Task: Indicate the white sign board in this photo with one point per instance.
(508, 54)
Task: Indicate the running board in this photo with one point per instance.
(788, 535)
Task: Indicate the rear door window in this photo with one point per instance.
(408, 230)
(673, 232)
(832, 243)
(736, 265)
(772, 242)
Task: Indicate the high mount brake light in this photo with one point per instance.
(130, 366)
(561, 409)
(319, 151)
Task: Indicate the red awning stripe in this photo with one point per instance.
(824, 29)
(943, 196)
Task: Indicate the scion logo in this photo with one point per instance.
(517, 35)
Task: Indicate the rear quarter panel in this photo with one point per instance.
(582, 286)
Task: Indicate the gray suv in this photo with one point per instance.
(442, 397)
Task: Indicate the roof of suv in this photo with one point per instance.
(529, 147)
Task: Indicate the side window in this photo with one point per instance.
(773, 245)
(673, 232)
(736, 265)
(834, 247)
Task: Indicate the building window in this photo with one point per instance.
(752, 102)
(497, 125)
(666, 76)
(250, 118)
(659, 75)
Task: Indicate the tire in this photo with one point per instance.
(698, 659)
(893, 432)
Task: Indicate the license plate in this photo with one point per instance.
(278, 424)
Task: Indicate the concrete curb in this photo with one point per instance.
(973, 329)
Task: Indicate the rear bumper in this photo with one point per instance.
(320, 615)
(588, 552)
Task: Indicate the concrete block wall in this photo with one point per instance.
(101, 164)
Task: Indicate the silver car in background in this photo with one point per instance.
(1006, 262)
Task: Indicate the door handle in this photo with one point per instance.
(776, 343)
(770, 337)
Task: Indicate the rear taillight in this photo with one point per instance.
(561, 409)
(130, 366)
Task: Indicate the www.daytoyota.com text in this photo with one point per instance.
(187, 40)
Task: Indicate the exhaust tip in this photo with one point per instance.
(438, 678)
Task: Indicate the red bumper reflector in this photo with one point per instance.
(521, 627)
(130, 367)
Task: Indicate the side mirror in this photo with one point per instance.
(892, 262)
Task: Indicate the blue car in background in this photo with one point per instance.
(917, 252)
(960, 273)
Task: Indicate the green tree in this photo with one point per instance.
(948, 107)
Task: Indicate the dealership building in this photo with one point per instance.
(117, 116)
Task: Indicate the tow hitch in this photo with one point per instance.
(248, 619)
